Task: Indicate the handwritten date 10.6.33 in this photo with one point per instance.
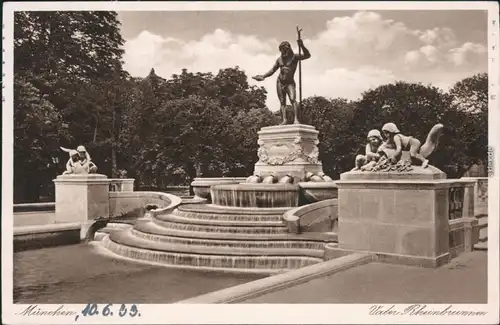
(109, 310)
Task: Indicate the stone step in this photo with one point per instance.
(221, 230)
(483, 234)
(233, 216)
(124, 244)
(481, 246)
(224, 210)
(482, 220)
(152, 228)
(128, 237)
(198, 219)
(280, 244)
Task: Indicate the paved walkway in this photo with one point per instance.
(464, 280)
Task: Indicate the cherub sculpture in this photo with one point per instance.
(396, 143)
(79, 162)
(371, 156)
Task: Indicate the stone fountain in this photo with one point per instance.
(237, 223)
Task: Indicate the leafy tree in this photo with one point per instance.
(38, 128)
(470, 104)
(66, 57)
(471, 94)
(242, 143)
(333, 119)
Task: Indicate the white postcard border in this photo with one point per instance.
(264, 313)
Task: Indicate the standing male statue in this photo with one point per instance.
(285, 84)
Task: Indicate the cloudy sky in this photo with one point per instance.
(352, 51)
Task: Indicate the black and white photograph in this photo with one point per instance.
(250, 162)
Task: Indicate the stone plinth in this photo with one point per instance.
(401, 220)
(288, 149)
(81, 198)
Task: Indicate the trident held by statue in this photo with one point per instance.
(300, 66)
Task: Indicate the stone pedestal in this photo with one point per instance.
(81, 198)
(401, 217)
(288, 149)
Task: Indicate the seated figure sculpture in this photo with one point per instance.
(371, 156)
(79, 162)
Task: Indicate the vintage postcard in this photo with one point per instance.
(250, 162)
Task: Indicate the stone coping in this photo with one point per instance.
(281, 281)
(417, 173)
(39, 229)
(174, 201)
(475, 178)
(200, 181)
(250, 187)
(219, 178)
(306, 185)
(82, 179)
(291, 218)
(300, 211)
(287, 128)
(402, 183)
(34, 207)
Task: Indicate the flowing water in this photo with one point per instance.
(256, 195)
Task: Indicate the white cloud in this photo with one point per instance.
(440, 36)
(431, 53)
(351, 55)
(468, 53)
(413, 57)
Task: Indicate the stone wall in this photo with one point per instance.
(315, 217)
(121, 203)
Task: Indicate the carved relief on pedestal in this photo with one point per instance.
(281, 152)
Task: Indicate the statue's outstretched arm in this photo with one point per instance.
(272, 71)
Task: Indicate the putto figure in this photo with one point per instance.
(285, 83)
(396, 143)
(79, 162)
(371, 156)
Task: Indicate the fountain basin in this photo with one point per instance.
(249, 195)
(201, 186)
(311, 192)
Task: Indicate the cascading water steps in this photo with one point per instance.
(150, 231)
(221, 229)
(193, 219)
(218, 237)
(128, 238)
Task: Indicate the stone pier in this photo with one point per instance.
(81, 198)
(404, 217)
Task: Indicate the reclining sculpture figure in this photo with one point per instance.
(390, 151)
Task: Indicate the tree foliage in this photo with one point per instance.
(70, 89)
